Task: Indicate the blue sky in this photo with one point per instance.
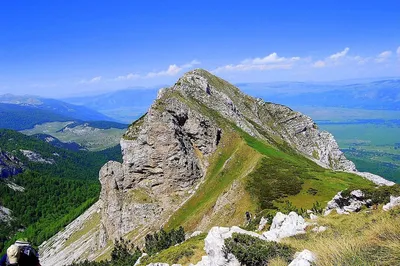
(60, 48)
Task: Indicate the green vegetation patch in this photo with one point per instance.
(292, 177)
(252, 251)
(139, 196)
(189, 251)
(272, 180)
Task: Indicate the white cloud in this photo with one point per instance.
(128, 77)
(340, 54)
(269, 62)
(340, 58)
(319, 64)
(91, 81)
(398, 51)
(191, 64)
(360, 60)
(382, 57)
(172, 70)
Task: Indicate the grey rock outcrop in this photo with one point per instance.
(345, 205)
(214, 243)
(5, 214)
(36, 157)
(319, 229)
(262, 224)
(285, 226)
(14, 186)
(10, 165)
(394, 202)
(380, 181)
(304, 258)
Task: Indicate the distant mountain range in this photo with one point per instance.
(375, 95)
(37, 109)
(123, 105)
(129, 104)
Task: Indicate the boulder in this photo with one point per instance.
(358, 194)
(394, 201)
(319, 229)
(285, 226)
(263, 223)
(196, 233)
(5, 214)
(345, 205)
(304, 258)
(214, 243)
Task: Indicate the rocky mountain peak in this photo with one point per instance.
(169, 152)
(165, 152)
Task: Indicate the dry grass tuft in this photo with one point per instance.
(365, 238)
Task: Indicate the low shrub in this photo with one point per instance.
(162, 240)
(124, 253)
(274, 179)
(252, 251)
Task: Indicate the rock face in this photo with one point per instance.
(161, 164)
(285, 226)
(9, 165)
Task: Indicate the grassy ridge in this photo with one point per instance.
(284, 166)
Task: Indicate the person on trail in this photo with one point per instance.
(20, 254)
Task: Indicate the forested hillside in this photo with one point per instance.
(19, 117)
(54, 193)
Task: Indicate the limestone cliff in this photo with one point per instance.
(166, 157)
(9, 165)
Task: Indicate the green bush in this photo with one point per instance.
(162, 240)
(252, 251)
(317, 208)
(274, 179)
(123, 254)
